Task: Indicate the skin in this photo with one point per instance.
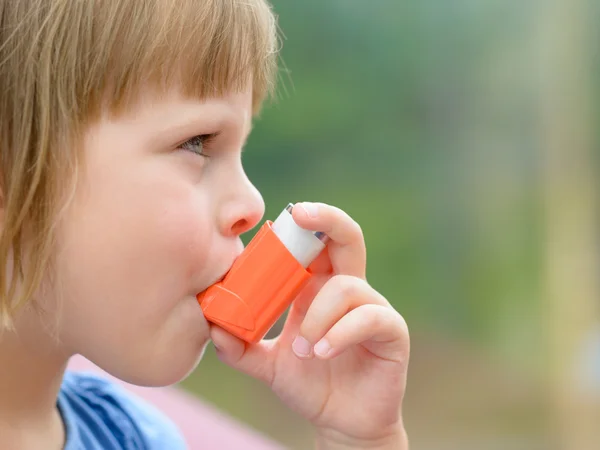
(342, 358)
(152, 222)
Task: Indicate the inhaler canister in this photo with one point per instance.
(304, 245)
(264, 279)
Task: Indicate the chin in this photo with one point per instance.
(164, 370)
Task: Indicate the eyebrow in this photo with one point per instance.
(201, 123)
(194, 122)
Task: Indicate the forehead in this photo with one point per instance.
(172, 114)
(234, 106)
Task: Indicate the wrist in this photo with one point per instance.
(395, 439)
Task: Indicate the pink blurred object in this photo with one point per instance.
(203, 426)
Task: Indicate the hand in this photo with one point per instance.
(341, 359)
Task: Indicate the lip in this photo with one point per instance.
(227, 267)
(217, 279)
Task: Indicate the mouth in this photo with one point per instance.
(224, 273)
(219, 279)
(216, 280)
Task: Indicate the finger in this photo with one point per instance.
(322, 272)
(256, 360)
(299, 309)
(322, 263)
(380, 330)
(342, 293)
(347, 247)
(305, 298)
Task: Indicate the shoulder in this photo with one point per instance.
(99, 412)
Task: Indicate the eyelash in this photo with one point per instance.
(202, 140)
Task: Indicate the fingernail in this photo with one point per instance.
(301, 347)
(310, 208)
(322, 348)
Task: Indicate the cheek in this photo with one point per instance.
(131, 260)
(152, 242)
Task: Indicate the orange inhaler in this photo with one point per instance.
(264, 279)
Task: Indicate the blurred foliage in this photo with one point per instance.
(416, 118)
(420, 119)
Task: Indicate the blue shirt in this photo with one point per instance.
(99, 414)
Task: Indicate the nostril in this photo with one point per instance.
(241, 226)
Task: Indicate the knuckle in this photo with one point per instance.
(347, 285)
(356, 229)
(343, 216)
(400, 328)
(399, 321)
(403, 327)
(373, 315)
(383, 316)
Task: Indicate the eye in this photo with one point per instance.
(198, 144)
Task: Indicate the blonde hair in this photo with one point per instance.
(64, 63)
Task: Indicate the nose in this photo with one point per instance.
(242, 210)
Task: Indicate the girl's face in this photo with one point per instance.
(160, 202)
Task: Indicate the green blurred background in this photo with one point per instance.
(460, 135)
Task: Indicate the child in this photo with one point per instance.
(123, 196)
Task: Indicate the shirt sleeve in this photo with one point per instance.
(99, 406)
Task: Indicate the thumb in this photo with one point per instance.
(255, 360)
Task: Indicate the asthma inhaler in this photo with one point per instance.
(264, 279)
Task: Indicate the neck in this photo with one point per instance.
(32, 370)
